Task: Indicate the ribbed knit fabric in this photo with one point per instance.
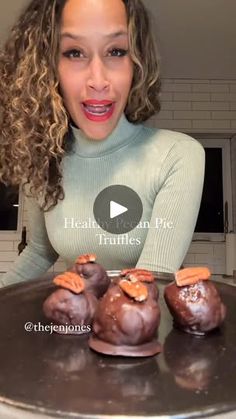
(165, 168)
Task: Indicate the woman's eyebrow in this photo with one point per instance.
(80, 37)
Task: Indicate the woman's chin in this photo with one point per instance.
(99, 131)
(95, 129)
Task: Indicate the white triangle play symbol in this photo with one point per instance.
(116, 209)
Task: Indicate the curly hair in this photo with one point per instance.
(34, 122)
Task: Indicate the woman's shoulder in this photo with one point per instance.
(169, 136)
(167, 140)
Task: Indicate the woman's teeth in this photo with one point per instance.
(98, 109)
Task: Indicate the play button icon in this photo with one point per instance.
(118, 209)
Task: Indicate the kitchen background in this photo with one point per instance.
(197, 48)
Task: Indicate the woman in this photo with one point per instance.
(78, 78)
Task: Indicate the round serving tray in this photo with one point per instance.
(59, 376)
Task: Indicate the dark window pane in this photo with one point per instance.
(9, 196)
(211, 215)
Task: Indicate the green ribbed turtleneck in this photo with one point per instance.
(123, 134)
(165, 168)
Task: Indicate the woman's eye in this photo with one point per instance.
(118, 52)
(76, 53)
(72, 53)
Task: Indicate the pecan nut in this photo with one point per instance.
(70, 281)
(136, 290)
(87, 258)
(135, 274)
(192, 275)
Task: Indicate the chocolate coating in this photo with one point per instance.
(96, 278)
(196, 308)
(123, 326)
(63, 307)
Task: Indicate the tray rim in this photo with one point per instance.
(44, 281)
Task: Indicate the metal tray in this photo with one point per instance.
(59, 376)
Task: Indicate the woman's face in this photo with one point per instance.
(95, 68)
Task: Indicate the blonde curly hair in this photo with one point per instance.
(34, 122)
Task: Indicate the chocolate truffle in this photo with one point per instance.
(74, 304)
(196, 307)
(126, 321)
(71, 305)
(95, 276)
(63, 307)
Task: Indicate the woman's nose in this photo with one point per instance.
(97, 75)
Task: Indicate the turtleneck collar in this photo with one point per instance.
(123, 133)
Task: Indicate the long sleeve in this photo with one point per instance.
(38, 256)
(176, 208)
(165, 168)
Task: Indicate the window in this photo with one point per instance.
(9, 208)
(216, 205)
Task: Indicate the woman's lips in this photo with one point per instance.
(98, 113)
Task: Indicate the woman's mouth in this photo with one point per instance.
(97, 112)
(97, 109)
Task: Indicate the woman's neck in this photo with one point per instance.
(122, 134)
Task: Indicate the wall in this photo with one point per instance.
(196, 39)
(202, 108)
(199, 106)
(10, 10)
(195, 107)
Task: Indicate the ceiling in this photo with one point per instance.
(196, 38)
